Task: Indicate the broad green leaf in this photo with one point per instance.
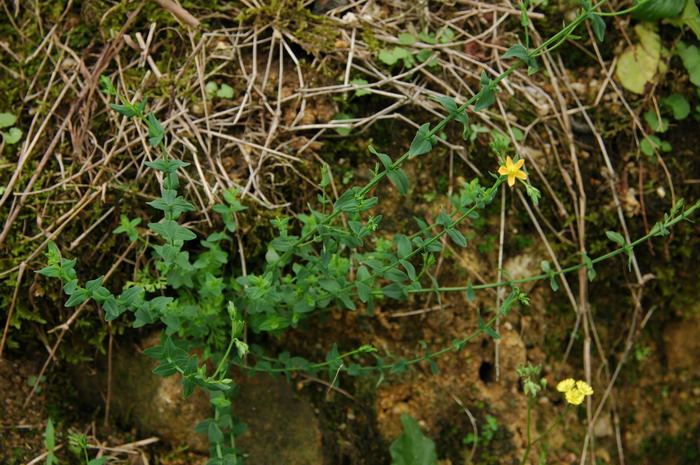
(639, 64)
(225, 91)
(457, 237)
(412, 447)
(598, 25)
(678, 105)
(487, 96)
(7, 120)
(400, 180)
(615, 237)
(171, 231)
(155, 130)
(343, 131)
(123, 110)
(654, 123)
(12, 136)
(98, 461)
(691, 60)
(360, 82)
(403, 245)
(78, 297)
(422, 143)
(487, 329)
(51, 271)
(654, 10)
(165, 369)
(451, 106)
(406, 39)
(395, 275)
(690, 18)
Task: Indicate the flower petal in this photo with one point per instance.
(511, 180)
(503, 171)
(574, 396)
(519, 164)
(566, 385)
(520, 175)
(584, 388)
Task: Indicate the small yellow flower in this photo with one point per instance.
(512, 170)
(574, 391)
(566, 385)
(584, 388)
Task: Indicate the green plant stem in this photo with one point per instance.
(228, 349)
(615, 252)
(530, 402)
(554, 424)
(487, 324)
(557, 39)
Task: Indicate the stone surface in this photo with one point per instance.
(682, 345)
(282, 428)
(145, 401)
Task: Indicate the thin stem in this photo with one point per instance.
(554, 424)
(530, 402)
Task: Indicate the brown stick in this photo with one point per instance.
(179, 13)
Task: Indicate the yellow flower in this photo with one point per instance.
(584, 388)
(512, 170)
(574, 391)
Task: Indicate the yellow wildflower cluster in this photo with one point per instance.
(575, 391)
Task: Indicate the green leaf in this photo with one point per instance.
(347, 201)
(99, 461)
(615, 237)
(165, 369)
(155, 130)
(406, 39)
(451, 106)
(127, 111)
(422, 142)
(49, 438)
(690, 18)
(107, 86)
(155, 352)
(678, 105)
(412, 447)
(7, 120)
(343, 131)
(639, 64)
(172, 203)
(12, 136)
(215, 434)
(471, 295)
(51, 271)
(171, 231)
(383, 157)
(457, 237)
(653, 121)
(487, 96)
(654, 10)
(400, 180)
(360, 82)
(403, 245)
(225, 91)
(167, 167)
(394, 291)
(391, 57)
(395, 275)
(78, 297)
(598, 25)
(487, 329)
